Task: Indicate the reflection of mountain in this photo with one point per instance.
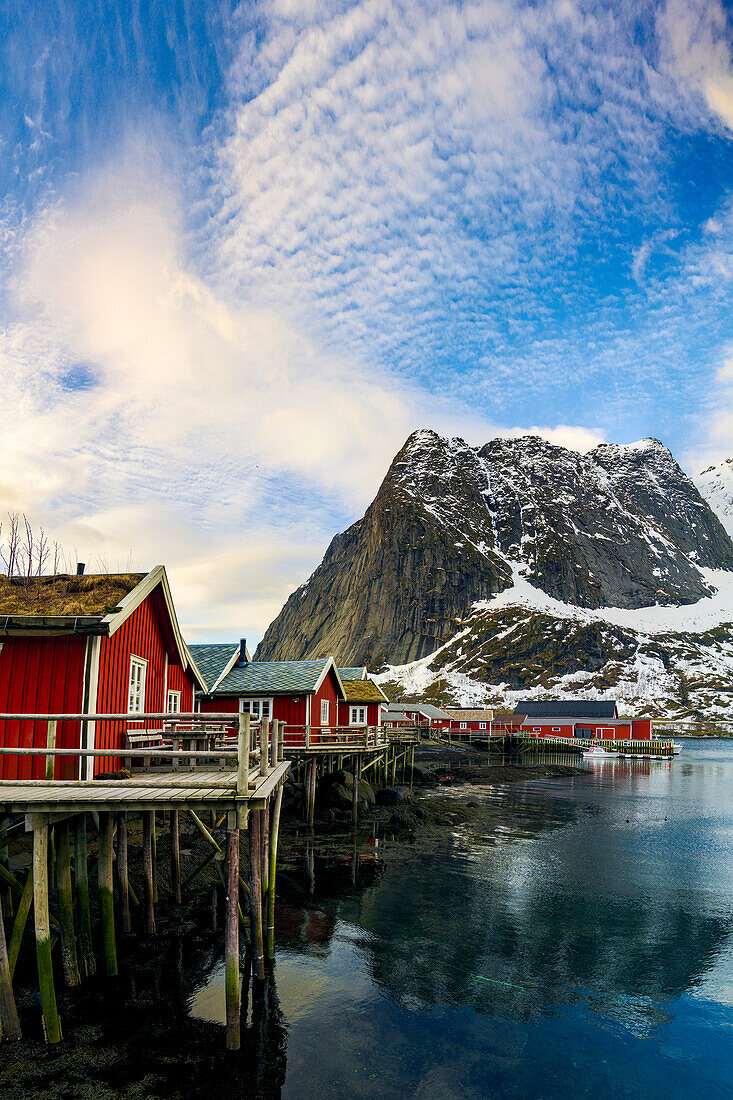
(524, 925)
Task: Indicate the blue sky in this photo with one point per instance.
(247, 248)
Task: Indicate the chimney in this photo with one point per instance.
(242, 659)
(80, 569)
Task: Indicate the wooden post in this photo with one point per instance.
(50, 744)
(265, 848)
(274, 831)
(175, 859)
(21, 916)
(9, 1022)
(412, 766)
(255, 894)
(154, 849)
(52, 1026)
(231, 934)
(314, 775)
(81, 873)
(243, 749)
(264, 746)
(148, 872)
(106, 893)
(66, 905)
(6, 894)
(123, 873)
(273, 744)
(281, 742)
(355, 792)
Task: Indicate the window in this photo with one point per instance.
(174, 702)
(258, 708)
(556, 729)
(482, 725)
(136, 694)
(357, 716)
(324, 712)
(536, 729)
(463, 725)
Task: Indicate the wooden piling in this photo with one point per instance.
(148, 872)
(231, 935)
(81, 874)
(6, 894)
(312, 807)
(106, 893)
(123, 872)
(355, 792)
(66, 905)
(175, 859)
(255, 894)
(265, 849)
(9, 1022)
(21, 916)
(274, 832)
(154, 848)
(51, 1023)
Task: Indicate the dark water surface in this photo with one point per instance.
(575, 939)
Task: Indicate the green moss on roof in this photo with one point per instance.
(362, 691)
(64, 594)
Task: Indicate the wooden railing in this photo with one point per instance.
(333, 738)
(227, 739)
(642, 746)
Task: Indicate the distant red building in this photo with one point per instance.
(365, 703)
(95, 644)
(596, 719)
(470, 719)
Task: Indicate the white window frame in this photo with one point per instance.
(255, 707)
(173, 697)
(482, 725)
(354, 712)
(536, 729)
(325, 711)
(138, 672)
(557, 729)
(463, 725)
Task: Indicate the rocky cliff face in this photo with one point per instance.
(453, 526)
(716, 486)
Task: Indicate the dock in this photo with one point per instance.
(237, 773)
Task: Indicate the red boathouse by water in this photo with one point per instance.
(596, 719)
(94, 644)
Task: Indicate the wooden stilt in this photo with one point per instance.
(21, 916)
(175, 859)
(255, 894)
(355, 793)
(106, 893)
(148, 872)
(123, 872)
(312, 811)
(154, 846)
(52, 1026)
(231, 936)
(412, 766)
(9, 1022)
(274, 831)
(265, 849)
(81, 874)
(66, 905)
(6, 894)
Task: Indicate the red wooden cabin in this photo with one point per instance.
(365, 703)
(300, 693)
(596, 719)
(95, 644)
(470, 720)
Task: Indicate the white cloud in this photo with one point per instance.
(695, 36)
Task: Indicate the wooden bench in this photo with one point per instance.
(145, 739)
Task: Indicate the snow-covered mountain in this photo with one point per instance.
(521, 567)
(716, 485)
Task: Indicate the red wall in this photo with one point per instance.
(455, 724)
(372, 716)
(41, 676)
(220, 704)
(179, 679)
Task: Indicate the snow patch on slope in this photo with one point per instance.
(716, 486)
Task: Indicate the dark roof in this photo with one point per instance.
(359, 673)
(211, 660)
(567, 708)
(274, 678)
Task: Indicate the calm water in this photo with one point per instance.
(579, 944)
(576, 939)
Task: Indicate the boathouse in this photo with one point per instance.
(470, 720)
(87, 644)
(595, 718)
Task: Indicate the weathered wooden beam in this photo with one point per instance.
(81, 873)
(154, 849)
(66, 905)
(231, 936)
(123, 872)
(9, 1022)
(148, 873)
(243, 754)
(255, 894)
(21, 916)
(51, 1023)
(175, 858)
(274, 833)
(106, 893)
